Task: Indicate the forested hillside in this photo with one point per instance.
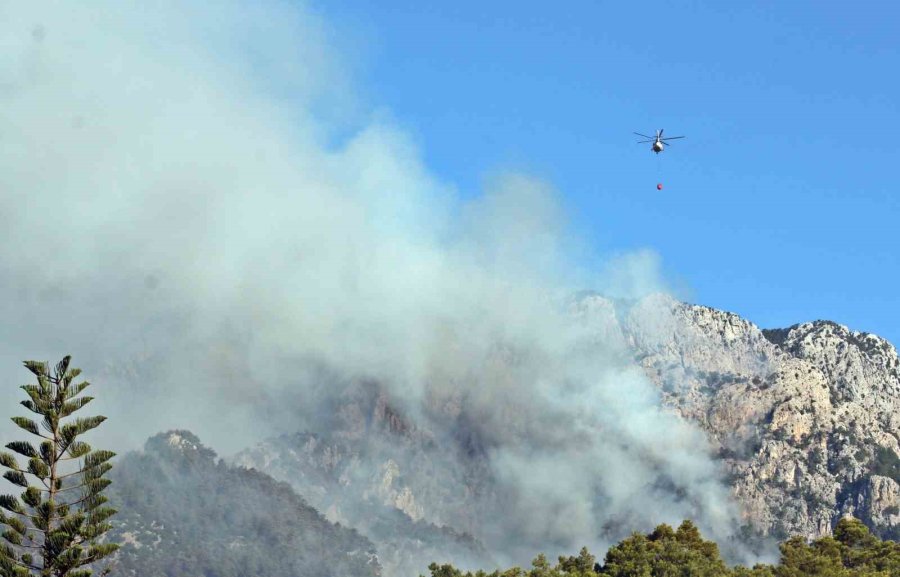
(183, 513)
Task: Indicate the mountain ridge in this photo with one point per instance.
(802, 419)
(826, 396)
(181, 512)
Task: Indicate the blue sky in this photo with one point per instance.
(780, 205)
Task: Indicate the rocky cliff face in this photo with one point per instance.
(371, 469)
(805, 420)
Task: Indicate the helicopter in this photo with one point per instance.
(659, 143)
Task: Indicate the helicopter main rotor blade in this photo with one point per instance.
(642, 135)
(671, 138)
(660, 133)
(644, 141)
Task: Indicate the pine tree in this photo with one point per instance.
(55, 528)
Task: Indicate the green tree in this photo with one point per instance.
(851, 552)
(583, 564)
(665, 552)
(863, 552)
(800, 559)
(55, 528)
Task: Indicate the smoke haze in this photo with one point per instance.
(197, 207)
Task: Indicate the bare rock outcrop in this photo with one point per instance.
(806, 419)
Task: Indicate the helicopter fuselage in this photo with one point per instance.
(659, 142)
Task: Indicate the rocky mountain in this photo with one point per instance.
(182, 512)
(371, 469)
(805, 420)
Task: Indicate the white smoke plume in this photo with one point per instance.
(197, 207)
